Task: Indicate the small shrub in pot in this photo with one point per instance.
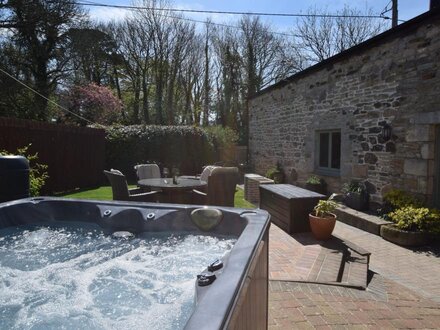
(276, 173)
(412, 226)
(416, 219)
(316, 184)
(356, 195)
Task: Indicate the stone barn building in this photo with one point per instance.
(370, 113)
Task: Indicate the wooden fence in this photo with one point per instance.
(75, 155)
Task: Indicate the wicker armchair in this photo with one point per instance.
(122, 193)
(221, 188)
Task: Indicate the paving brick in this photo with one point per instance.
(303, 325)
(322, 327)
(316, 320)
(310, 311)
(385, 324)
(328, 310)
(295, 315)
(335, 319)
(290, 303)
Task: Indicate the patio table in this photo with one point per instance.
(173, 193)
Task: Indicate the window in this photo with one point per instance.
(329, 152)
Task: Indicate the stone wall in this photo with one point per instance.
(391, 79)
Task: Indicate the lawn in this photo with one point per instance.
(105, 193)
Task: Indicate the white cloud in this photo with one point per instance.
(107, 14)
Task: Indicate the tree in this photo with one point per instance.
(91, 53)
(93, 102)
(206, 81)
(248, 58)
(15, 99)
(134, 39)
(39, 34)
(229, 77)
(322, 37)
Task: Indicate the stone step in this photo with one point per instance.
(343, 263)
(355, 248)
(327, 267)
(355, 269)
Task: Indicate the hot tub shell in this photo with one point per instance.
(237, 299)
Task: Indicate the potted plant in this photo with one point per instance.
(412, 223)
(396, 199)
(356, 195)
(413, 226)
(316, 184)
(322, 219)
(276, 173)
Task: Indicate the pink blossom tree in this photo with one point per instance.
(95, 103)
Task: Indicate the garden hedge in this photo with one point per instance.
(185, 147)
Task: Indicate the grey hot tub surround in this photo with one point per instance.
(226, 303)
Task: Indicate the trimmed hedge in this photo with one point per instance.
(185, 147)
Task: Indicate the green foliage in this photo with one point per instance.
(412, 218)
(314, 179)
(37, 172)
(270, 173)
(398, 198)
(185, 147)
(38, 36)
(354, 187)
(408, 213)
(220, 136)
(325, 208)
(276, 173)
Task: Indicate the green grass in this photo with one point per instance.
(239, 200)
(105, 193)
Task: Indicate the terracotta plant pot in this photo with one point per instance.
(322, 228)
(405, 238)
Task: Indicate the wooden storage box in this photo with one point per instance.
(289, 206)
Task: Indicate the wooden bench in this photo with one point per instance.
(289, 206)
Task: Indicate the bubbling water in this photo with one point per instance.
(67, 277)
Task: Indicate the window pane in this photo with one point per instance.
(336, 150)
(324, 140)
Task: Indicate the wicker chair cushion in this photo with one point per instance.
(147, 171)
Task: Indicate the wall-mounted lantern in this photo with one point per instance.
(386, 132)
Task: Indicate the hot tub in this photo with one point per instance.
(230, 293)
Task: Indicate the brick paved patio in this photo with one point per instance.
(404, 293)
(302, 305)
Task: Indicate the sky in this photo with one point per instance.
(407, 9)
